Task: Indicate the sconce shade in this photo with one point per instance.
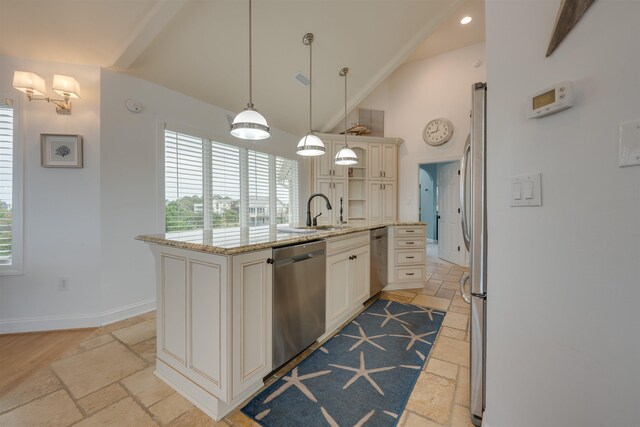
(29, 83)
(251, 125)
(66, 86)
(346, 157)
(310, 145)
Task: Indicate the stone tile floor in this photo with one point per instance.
(107, 380)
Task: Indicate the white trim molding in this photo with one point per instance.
(75, 321)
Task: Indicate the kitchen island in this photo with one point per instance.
(214, 300)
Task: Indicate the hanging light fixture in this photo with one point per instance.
(346, 156)
(310, 144)
(249, 123)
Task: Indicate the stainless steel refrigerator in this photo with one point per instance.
(473, 200)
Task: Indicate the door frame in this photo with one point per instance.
(436, 160)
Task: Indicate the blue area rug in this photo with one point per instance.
(362, 376)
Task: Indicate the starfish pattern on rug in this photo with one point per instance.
(295, 380)
(333, 423)
(363, 372)
(388, 316)
(364, 338)
(413, 338)
(429, 312)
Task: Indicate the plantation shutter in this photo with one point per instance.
(286, 181)
(183, 171)
(6, 185)
(258, 188)
(225, 185)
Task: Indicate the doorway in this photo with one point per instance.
(439, 207)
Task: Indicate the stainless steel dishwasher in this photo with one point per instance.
(299, 295)
(378, 264)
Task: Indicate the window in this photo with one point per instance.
(210, 185)
(10, 193)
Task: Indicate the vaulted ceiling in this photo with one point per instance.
(200, 47)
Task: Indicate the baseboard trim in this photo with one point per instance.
(75, 321)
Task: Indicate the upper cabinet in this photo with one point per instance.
(377, 168)
(383, 161)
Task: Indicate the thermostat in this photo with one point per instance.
(551, 100)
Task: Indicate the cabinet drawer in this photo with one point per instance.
(410, 273)
(341, 243)
(410, 244)
(410, 231)
(410, 257)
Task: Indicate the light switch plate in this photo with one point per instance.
(526, 190)
(629, 151)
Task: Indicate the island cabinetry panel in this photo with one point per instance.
(192, 317)
(406, 257)
(252, 319)
(347, 277)
(214, 328)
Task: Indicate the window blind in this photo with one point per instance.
(211, 185)
(6, 185)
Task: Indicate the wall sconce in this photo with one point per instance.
(33, 85)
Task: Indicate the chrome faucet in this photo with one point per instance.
(309, 206)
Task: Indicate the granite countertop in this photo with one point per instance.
(230, 241)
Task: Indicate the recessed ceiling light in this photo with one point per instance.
(465, 20)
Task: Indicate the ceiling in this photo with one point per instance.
(200, 47)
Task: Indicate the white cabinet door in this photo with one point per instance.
(338, 295)
(375, 204)
(389, 201)
(389, 161)
(375, 161)
(338, 171)
(252, 307)
(359, 275)
(339, 190)
(324, 164)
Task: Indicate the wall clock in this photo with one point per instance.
(437, 132)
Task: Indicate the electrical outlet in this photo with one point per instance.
(63, 284)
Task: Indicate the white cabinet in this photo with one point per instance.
(383, 201)
(406, 256)
(214, 325)
(347, 277)
(324, 165)
(376, 168)
(383, 160)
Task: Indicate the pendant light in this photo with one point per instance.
(249, 123)
(310, 144)
(346, 156)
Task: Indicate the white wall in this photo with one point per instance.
(564, 278)
(61, 209)
(130, 171)
(417, 93)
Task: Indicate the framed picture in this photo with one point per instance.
(61, 151)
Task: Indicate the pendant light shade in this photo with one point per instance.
(310, 144)
(346, 156)
(249, 123)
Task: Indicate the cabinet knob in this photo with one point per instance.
(270, 261)
(355, 257)
(384, 174)
(351, 258)
(380, 173)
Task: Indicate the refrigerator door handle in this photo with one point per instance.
(463, 281)
(463, 192)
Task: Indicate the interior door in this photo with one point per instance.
(450, 245)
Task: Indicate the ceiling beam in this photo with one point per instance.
(157, 18)
(393, 64)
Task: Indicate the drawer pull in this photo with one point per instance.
(410, 231)
(409, 274)
(410, 243)
(410, 257)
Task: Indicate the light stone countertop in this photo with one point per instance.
(230, 241)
